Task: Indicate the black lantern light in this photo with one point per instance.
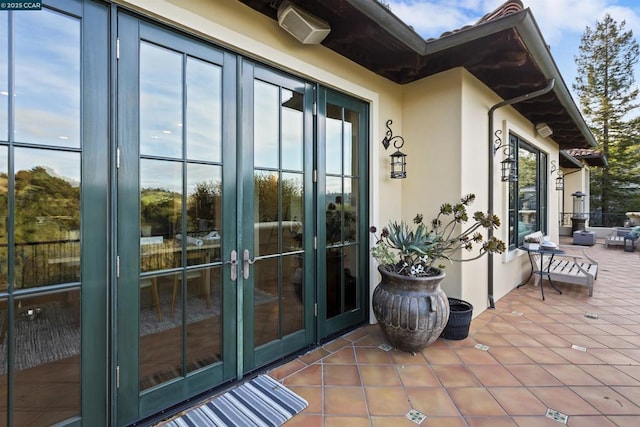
(509, 164)
(398, 159)
(559, 178)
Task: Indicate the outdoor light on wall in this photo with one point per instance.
(509, 165)
(559, 178)
(398, 159)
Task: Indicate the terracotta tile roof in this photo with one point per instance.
(591, 156)
(511, 6)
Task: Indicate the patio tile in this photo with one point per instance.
(455, 376)
(337, 421)
(373, 355)
(311, 375)
(475, 401)
(441, 356)
(433, 402)
(533, 375)
(379, 375)
(342, 356)
(610, 375)
(518, 401)
(571, 374)
(510, 355)
(341, 375)
(387, 400)
(345, 401)
(542, 355)
(491, 422)
(607, 401)
(494, 376)
(564, 399)
(417, 376)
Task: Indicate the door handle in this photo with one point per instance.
(234, 265)
(247, 262)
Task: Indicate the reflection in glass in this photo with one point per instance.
(46, 367)
(203, 316)
(292, 309)
(160, 214)
(292, 131)
(4, 192)
(527, 194)
(47, 217)
(334, 150)
(160, 101)
(267, 227)
(160, 330)
(350, 142)
(266, 124)
(4, 77)
(47, 111)
(204, 207)
(334, 281)
(204, 111)
(341, 209)
(266, 301)
(3, 361)
(292, 211)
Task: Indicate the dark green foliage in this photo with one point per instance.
(606, 88)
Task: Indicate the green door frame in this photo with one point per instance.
(133, 405)
(251, 356)
(330, 326)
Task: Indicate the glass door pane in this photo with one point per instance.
(341, 209)
(184, 340)
(279, 288)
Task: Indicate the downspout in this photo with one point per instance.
(534, 94)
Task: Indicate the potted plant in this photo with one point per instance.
(409, 305)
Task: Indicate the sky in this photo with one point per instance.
(562, 22)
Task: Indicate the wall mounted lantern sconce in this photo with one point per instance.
(559, 178)
(398, 159)
(509, 165)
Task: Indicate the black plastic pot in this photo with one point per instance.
(460, 314)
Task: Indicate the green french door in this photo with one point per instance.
(342, 212)
(215, 225)
(177, 286)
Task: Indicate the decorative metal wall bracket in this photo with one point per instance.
(560, 175)
(509, 165)
(398, 159)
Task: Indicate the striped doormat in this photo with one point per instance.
(260, 402)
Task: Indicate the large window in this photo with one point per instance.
(528, 195)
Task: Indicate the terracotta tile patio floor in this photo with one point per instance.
(536, 361)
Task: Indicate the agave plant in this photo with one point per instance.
(413, 252)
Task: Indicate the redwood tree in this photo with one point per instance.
(606, 89)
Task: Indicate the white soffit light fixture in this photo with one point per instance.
(306, 28)
(544, 130)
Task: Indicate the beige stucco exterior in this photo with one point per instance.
(443, 119)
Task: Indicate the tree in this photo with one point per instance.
(607, 94)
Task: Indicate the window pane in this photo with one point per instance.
(47, 219)
(46, 368)
(4, 77)
(204, 111)
(527, 190)
(4, 192)
(266, 301)
(334, 153)
(160, 101)
(267, 125)
(351, 126)
(160, 214)
(47, 111)
(292, 211)
(292, 130)
(204, 211)
(267, 227)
